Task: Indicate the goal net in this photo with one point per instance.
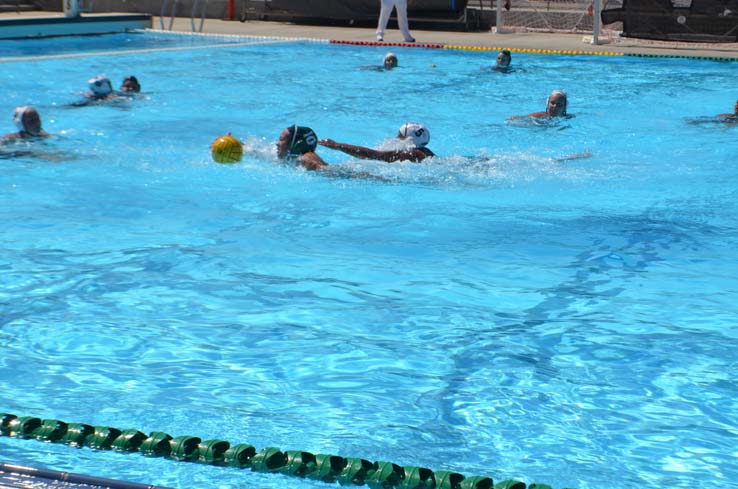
(574, 16)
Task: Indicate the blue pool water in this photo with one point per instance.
(497, 311)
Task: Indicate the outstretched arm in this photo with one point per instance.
(350, 149)
(373, 154)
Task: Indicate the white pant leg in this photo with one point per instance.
(401, 6)
(384, 15)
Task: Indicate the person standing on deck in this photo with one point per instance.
(400, 7)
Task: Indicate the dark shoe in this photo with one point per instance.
(412, 39)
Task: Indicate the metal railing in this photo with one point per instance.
(172, 13)
(169, 9)
(203, 9)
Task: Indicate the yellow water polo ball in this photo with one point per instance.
(226, 149)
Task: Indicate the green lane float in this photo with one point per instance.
(294, 463)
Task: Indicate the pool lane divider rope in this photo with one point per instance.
(234, 36)
(390, 44)
(297, 463)
(570, 52)
(574, 52)
(472, 48)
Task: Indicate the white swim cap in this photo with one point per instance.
(561, 93)
(100, 86)
(557, 92)
(18, 117)
(417, 133)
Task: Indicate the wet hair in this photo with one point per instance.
(303, 140)
(136, 87)
(506, 59)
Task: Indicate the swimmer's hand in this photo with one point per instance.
(576, 156)
(328, 143)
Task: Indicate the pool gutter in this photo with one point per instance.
(23, 27)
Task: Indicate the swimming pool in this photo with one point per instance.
(498, 311)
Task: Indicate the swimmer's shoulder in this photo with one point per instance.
(426, 151)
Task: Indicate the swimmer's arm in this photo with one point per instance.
(414, 155)
(728, 119)
(531, 115)
(9, 137)
(350, 149)
(576, 156)
(373, 154)
(81, 103)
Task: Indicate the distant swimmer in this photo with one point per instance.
(28, 122)
(130, 86)
(100, 90)
(413, 137)
(504, 58)
(298, 144)
(389, 62)
(734, 116)
(555, 107)
(725, 120)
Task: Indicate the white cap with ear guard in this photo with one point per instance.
(18, 117)
(559, 92)
(100, 86)
(417, 133)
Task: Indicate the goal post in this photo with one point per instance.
(569, 16)
(71, 8)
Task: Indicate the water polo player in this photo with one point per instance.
(28, 122)
(298, 143)
(100, 88)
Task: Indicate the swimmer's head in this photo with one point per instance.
(100, 86)
(130, 84)
(503, 58)
(27, 120)
(417, 133)
(390, 61)
(556, 103)
(295, 141)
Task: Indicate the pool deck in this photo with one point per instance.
(611, 43)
